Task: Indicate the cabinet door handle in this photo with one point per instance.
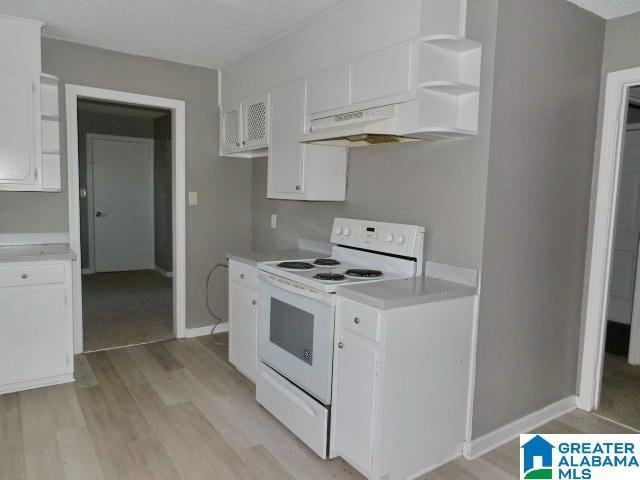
(242, 276)
(340, 345)
(356, 321)
(297, 187)
(254, 302)
(24, 275)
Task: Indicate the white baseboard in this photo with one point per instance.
(478, 447)
(206, 330)
(163, 272)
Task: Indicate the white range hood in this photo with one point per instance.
(387, 124)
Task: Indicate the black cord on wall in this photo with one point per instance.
(217, 318)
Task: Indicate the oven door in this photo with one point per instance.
(295, 335)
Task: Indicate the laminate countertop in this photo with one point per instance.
(36, 252)
(404, 292)
(253, 258)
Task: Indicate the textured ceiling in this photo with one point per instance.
(210, 33)
(609, 8)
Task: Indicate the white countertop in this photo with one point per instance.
(36, 252)
(390, 294)
(253, 258)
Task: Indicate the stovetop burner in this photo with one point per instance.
(363, 273)
(326, 262)
(329, 277)
(295, 265)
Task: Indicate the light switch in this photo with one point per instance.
(274, 220)
(193, 198)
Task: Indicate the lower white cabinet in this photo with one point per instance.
(243, 318)
(36, 339)
(355, 391)
(400, 386)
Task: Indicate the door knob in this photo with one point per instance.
(99, 214)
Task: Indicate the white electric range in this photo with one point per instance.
(297, 317)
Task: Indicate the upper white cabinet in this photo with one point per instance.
(230, 135)
(386, 73)
(17, 130)
(255, 121)
(244, 127)
(29, 117)
(328, 89)
(297, 171)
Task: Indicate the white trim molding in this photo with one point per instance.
(601, 231)
(33, 238)
(178, 113)
(485, 444)
(206, 330)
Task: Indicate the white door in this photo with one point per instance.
(231, 127)
(122, 203)
(353, 399)
(627, 233)
(17, 136)
(34, 334)
(255, 121)
(286, 152)
(243, 335)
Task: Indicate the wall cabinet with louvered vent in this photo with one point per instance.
(244, 127)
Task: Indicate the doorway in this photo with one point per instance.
(609, 382)
(126, 173)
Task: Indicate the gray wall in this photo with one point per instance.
(106, 124)
(162, 193)
(548, 60)
(220, 222)
(439, 185)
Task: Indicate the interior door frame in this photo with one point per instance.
(634, 337)
(91, 246)
(601, 236)
(178, 116)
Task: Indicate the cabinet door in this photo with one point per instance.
(230, 124)
(383, 74)
(255, 121)
(17, 135)
(354, 398)
(328, 90)
(286, 154)
(35, 329)
(243, 327)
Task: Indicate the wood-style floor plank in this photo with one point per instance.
(78, 454)
(12, 458)
(179, 411)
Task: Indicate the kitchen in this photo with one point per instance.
(466, 193)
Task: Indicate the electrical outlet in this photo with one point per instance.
(274, 220)
(193, 198)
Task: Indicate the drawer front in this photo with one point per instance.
(18, 275)
(359, 318)
(304, 416)
(243, 274)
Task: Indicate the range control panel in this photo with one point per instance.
(394, 238)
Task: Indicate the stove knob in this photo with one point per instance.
(388, 237)
(347, 231)
(338, 231)
(400, 239)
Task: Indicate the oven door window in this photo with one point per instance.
(292, 330)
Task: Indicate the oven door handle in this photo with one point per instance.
(321, 297)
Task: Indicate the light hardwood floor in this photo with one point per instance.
(179, 410)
